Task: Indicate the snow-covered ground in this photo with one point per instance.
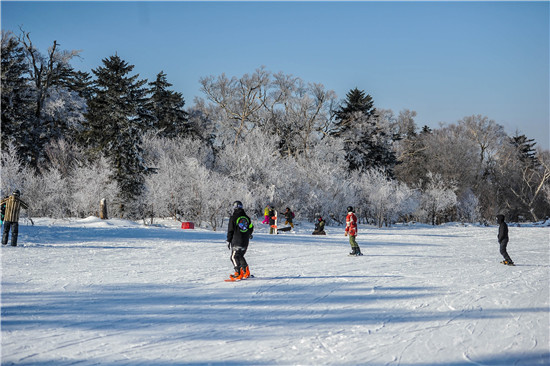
(89, 292)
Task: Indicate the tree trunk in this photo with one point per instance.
(103, 209)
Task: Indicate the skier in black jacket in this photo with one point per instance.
(239, 232)
(503, 240)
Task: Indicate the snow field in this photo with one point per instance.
(91, 292)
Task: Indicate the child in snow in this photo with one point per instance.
(266, 214)
(351, 231)
(503, 240)
(11, 219)
(319, 227)
(289, 215)
(239, 232)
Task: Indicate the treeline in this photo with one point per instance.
(72, 138)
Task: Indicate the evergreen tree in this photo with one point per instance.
(115, 122)
(367, 142)
(17, 100)
(356, 102)
(79, 82)
(166, 108)
(525, 149)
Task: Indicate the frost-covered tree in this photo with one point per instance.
(48, 75)
(238, 102)
(385, 199)
(115, 121)
(452, 155)
(438, 198)
(90, 183)
(14, 172)
(304, 117)
(467, 207)
(521, 179)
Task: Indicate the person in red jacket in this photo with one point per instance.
(351, 231)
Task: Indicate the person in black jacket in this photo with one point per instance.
(239, 232)
(289, 215)
(319, 227)
(503, 240)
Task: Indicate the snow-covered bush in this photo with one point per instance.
(437, 199)
(90, 184)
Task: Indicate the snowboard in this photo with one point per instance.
(237, 280)
(508, 264)
(274, 226)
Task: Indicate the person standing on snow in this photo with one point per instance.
(239, 232)
(11, 217)
(289, 215)
(503, 240)
(266, 214)
(351, 231)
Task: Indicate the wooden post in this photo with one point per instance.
(103, 209)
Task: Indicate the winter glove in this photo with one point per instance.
(228, 244)
(251, 236)
(346, 234)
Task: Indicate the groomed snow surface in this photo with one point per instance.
(92, 292)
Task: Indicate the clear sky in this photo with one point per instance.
(445, 60)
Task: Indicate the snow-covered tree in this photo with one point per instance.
(468, 207)
(238, 101)
(437, 199)
(48, 75)
(14, 174)
(90, 183)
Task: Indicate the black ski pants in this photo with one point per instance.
(237, 258)
(14, 226)
(503, 245)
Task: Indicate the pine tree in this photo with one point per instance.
(166, 108)
(356, 102)
(79, 82)
(17, 100)
(115, 121)
(525, 149)
(367, 143)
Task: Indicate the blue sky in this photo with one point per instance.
(445, 60)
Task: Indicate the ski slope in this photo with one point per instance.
(92, 292)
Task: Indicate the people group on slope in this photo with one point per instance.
(240, 230)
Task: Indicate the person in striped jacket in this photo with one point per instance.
(11, 217)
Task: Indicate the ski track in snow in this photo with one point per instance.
(92, 292)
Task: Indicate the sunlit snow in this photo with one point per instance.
(92, 292)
